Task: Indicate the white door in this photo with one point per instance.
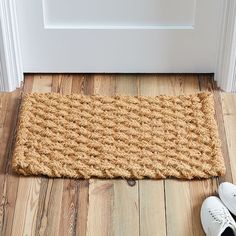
(119, 35)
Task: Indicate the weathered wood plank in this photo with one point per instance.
(151, 192)
(79, 197)
(49, 207)
(42, 84)
(51, 190)
(126, 210)
(77, 83)
(70, 187)
(100, 215)
(101, 192)
(82, 208)
(8, 181)
(229, 117)
(177, 193)
(63, 192)
(206, 83)
(28, 83)
(25, 214)
(110, 211)
(26, 207)
(200, 189)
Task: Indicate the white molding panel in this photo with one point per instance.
(225, 74)
(122, 14)
(11, 73)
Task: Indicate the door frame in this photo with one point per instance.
(11, 70)
(225, 73)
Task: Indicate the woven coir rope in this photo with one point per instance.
(107, 137)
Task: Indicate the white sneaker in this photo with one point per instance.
(216, 219)
(227, 192)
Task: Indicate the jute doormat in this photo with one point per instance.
(107, 137)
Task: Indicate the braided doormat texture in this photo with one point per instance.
(107, 137)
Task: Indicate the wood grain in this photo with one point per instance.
(8, 181)
(110, 211)
(177, 193)
(200, 189)
(151, 193)
(25, 215)
(70, 187)
(51, 190)
(100, 207)
(229, 117)
(43, 206)
(126, 210)
(101, 192)
(82, 84)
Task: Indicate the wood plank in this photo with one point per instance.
(26, 207)
(66, 84)
(200, 189)
(100, 207)
(56, 83)
(80, 85)
(42, 84)
(229, 117)
(206, 82)
(25, 215)
(82, 208)
(151, 192)
(126, 85)
(70, 187)
(101, 192)
(177, 193)
(224, 145)
(51, 190)
(58, 197)
(49, 207)
(88, 85)
(8, 181)
(77, 83)
(69, 207)
(126, 210)
(75, 193)
(28, 83)
(4, 132)
(185, 202)
(104, 85)
(152, 207)
(113, 204)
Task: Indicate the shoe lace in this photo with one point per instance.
(220, 216)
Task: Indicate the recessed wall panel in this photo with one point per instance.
(118, 13)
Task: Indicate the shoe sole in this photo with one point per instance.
(202, 222)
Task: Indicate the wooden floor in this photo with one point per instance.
(43, 206)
